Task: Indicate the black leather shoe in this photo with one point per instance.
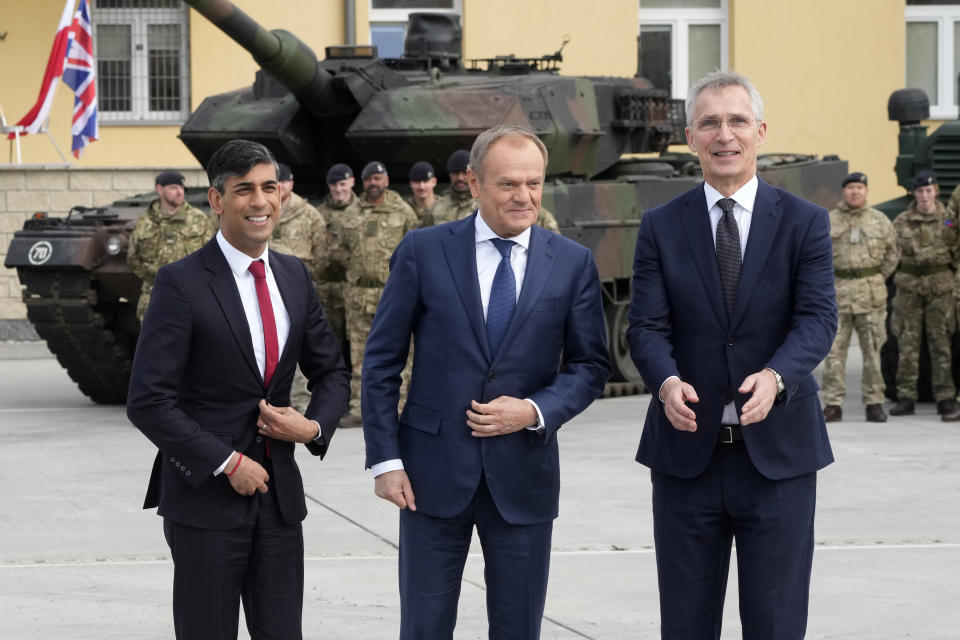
(947, 406)
(875, 413)
(351, 420)
(951, 417)
(904, 408)
(833, 413)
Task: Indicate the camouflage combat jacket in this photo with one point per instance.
(302, 232)
(453, 206)
(367, 241)
(160, 238)
(865, 253)
(425, 214)
(927, 246)
(337, 215)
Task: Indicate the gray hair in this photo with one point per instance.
(478, 153)
(234, 159)
(719, 80)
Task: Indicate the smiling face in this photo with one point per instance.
(248, 208)
(855, 195)
(512, 186)
(725, 135)
(374, 185)
(341, 190)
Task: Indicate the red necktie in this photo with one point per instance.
(269, 323)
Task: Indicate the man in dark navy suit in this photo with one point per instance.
(510, 344)
(733, 307)
(210, 387)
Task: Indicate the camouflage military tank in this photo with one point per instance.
(353, 107)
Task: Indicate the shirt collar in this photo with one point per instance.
(744, 196)
(483, 232)
(239, 261)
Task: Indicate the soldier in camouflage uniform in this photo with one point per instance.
(953, 221)
(367, 242)
(423, 180)
(865, 254)
(340, 206)
(459, 202)
(169, 230)
(924, 296)
(301, 231)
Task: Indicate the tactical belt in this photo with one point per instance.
(368, 283)
(848, 274)
(924, 269)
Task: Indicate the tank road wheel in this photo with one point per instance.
(623, 368)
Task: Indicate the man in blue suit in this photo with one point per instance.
(733, 307)
(510, 344)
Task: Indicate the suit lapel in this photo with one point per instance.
(460, 251)
(696, 225)
(539, 267)
(224, 288)
(764, 222)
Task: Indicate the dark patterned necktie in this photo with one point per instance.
(503, 297)
(728, 253)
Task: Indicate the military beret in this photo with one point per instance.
(458, 160)
(166, 178)
(421, 171)
(924, 178)
(372, 168)
(338, 172)
(856, 176)
(285, 173)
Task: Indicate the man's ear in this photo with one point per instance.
(215, 198)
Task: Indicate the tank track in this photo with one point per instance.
(63, 308)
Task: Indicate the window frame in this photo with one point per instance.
(138, 20)
(401, 17)
(944, 16)
(680, 21)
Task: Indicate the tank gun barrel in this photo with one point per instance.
(278, 52)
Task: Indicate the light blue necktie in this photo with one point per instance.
(503, 297)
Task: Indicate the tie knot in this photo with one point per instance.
(726, 204)
(257, 269)
(503, 246)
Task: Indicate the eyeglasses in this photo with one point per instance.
(734, 123)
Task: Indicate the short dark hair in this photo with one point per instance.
(235, 158)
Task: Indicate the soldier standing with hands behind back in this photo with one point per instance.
(924, 296)
(865, 254)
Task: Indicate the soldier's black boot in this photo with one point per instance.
(953, 416)
(875, 413)
(947, 406)
(904, 408)
(832, 413)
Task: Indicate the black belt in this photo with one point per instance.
(849, 274)
(730, 433)
(923, 269)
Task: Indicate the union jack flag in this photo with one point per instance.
(79, 73)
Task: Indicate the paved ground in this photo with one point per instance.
(79, 559)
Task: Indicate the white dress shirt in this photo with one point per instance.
(744, 197)
(240, 266)
(488, 259)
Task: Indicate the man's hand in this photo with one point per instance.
(500, 416)
(249, 477)
(676, 394)
(395, 487)
(763, 386)
(285, 423)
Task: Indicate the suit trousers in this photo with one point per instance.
(433, 552)
(260, 564)
(694, 523)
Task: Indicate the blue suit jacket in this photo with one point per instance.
(195, 387)
(785, 318)
(554, 352)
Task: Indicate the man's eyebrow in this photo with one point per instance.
(250, 183)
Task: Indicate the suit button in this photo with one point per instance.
(172, 459)
(490, 376)
(730, 342)
(178, 465)
(259, 439)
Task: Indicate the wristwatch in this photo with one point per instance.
(780, 386)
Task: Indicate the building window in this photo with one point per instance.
(388, 21)
(933, 53)
(680, 41)
(141, 48)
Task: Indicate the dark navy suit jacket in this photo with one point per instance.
(195, 387)
(785, 318)
(554, 352)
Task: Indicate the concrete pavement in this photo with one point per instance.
(80, 559)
